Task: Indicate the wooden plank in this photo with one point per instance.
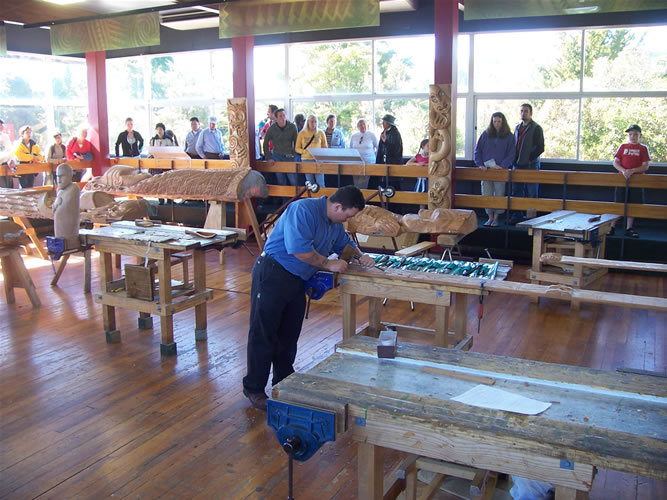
(400, 196)
(164, 284)
(21, 277)
(108, 311)
(432, 487)
(199, 265)
(441, 326)
(555, 259)
(349, 314)
(397, 291)
(374, 316)
(463, 376)
(415, 249)
(447, 468)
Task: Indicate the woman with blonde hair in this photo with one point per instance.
(311, 137)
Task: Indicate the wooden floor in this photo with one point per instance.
(84, 419)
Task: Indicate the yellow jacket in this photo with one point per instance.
(320, 141)
(24, 152)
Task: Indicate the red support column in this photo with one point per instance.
(244, 83)
(98, 119)
(446, 29)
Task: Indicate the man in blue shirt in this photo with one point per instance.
(305, 235)
(209, 143)
(191, 138)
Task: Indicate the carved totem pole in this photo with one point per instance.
(237, 112)
(442, 146)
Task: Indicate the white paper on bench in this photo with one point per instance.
(485, 396)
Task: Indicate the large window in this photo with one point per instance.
(47, 93)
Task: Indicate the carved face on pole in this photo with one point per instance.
(64, 175)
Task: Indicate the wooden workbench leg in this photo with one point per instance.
(32, 234)
(250, 211)
(563, 493)
(8, 278)
(370, 471)
(168, 346)
(578, 272)
(536, 264)
(87, 258)
(460, 316)
(145, 320)
(108, 312)
(411, 480)
(61, 268)
(349, 315)
(374, 316)
(199, 264)
(222, 257)
(442, 326)
(21, 275)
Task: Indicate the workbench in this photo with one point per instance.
(154, 244)
(414, 286)
(611, 420)
(569, 233)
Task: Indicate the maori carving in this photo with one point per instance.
(26, 203)
(375, 221)
(237, 113)
(441, 145)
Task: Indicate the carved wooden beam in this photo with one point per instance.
(442, 145)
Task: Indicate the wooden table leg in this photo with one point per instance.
(370, 476)
(578, 272)
(250, 211)
(442, 325)
(145, 320)
(536, 264)
(21, 275)
(168, 346)
(61, 268)
(32, 234)
(563, 493)
(374, 316)
(460, 316)
(8, 278)
(108, 312)
(199, 264)
(86, 270)
(349, 315)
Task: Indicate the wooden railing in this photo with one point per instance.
(44, 167)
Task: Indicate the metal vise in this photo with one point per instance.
(319, 284)
(55, 247)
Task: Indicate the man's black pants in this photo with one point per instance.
(277, 306)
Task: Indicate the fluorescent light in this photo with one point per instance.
(63, 2)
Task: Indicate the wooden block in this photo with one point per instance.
(140, 282)
(463, 376)
(415, 249)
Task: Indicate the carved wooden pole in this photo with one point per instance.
(237, 113)
(442, 145)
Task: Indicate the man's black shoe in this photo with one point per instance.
(612, 231)
(631, 233)
(257, 399)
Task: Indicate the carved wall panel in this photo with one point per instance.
(442, 146)
(237, 112)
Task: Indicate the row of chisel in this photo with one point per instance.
(428, 265)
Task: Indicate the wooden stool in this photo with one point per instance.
(15, 275)
(449, 241)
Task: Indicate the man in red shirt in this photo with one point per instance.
(630, 159)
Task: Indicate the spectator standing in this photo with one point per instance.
(7, 157)
(529, 139)
(129, 140)
(366, 143)
(79, 147)
(311, 137)
(57, 154)
(631, 158)
(161, 139)
(191, 138)
(27, 151)
(299, 121)
(390, 147)
(282, 135)
(495, 149)
(209, 143)
(264, 126)
(421, 158)
(335, 138)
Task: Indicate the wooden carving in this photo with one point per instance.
(440, 221)
(237, 112)
(441, 145)
(116, 210)
(66, 213)
(375, 221)
(26, 203)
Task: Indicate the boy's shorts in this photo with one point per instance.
(636, 195)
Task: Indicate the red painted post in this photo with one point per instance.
(446, 29)
(244, 83)
(98, 119)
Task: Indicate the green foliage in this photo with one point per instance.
(17, 116)
(161, 69)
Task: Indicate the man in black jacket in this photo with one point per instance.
(529, 146)
(390, 148)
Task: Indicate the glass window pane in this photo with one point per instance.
(557, 117)
(179, 76)
(404, 64)
(17, 116)
(19, 80)
(118, 112)
(604, 120)
(125, 79)
(411, 120)
(347, 114)
(220, 110)
(462, 63)
(69, 119)
(262, 108)
(332, 68)
(69, 79)
(460, 127)
(626, 59)
(527, 61)
(223, 77)
(269, 71)
(177, 119)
